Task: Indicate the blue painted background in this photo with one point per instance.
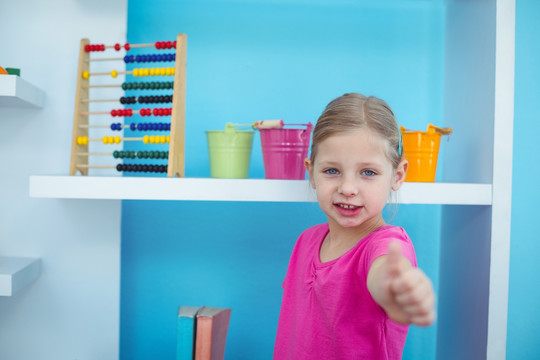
(265, 60)
(524, 295)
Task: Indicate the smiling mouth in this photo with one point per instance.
(347, 207)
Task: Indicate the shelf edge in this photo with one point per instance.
(16, 273)
(210, 189)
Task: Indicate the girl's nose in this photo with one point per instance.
(348, 187)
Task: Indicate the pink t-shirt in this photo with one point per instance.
(327, 311)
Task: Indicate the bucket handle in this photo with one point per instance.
(435, 129)
(432, 129)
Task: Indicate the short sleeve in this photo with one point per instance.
(378, 245)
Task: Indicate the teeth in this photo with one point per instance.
(347, 206)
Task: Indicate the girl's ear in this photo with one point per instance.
(399, 176)
(309, 168)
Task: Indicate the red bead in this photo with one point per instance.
(113, 112)
(174, 44)
(117, 47)
(155, 112)
(87, 48)
(102, 47)
(127, 47)
(129, 112)
(169, 44)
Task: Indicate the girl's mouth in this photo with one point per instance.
(347, 209)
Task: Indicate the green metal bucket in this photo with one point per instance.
(230, 152)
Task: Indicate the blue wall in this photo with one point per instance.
(260, 60)
(524, 297)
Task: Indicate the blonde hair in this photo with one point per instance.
(355, 111)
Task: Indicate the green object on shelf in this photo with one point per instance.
(13, 71)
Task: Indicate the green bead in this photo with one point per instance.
(115, 154)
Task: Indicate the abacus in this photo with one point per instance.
(175, 139)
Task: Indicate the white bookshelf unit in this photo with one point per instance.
(475, 192)
(17, 92)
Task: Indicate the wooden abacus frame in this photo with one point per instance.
(176, 160)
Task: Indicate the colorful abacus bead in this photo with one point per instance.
(141, 168)
(155, 99)
(121, 112)
(116, 126)
(111, 140)
(94, 47)
(82, 140)
(128, 100)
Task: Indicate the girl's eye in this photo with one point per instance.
(331, 171)
(368, 172)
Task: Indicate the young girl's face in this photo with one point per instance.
(353, 177)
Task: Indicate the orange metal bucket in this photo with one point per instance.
(421, 149)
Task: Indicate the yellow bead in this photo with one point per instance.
(86, 74)
(114, 73)
(146, 71)
(146, 139)
(79, 140)
(136, 72)
(105, 140)
(152, 139)
(163, 139)
(172, 71)
(168, 71)
(168, 139)
(152, 71)
(117, 140)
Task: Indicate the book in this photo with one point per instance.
(186, 326)
(211, 333)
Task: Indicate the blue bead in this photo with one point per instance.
(132, 126)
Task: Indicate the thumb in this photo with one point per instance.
(393, 258)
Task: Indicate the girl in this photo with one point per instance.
(353, 286)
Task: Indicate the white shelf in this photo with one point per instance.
(17, 92)
(208, 189)
(16, 273)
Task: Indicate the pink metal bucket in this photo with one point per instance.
(284, 151)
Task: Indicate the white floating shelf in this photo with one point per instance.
(209, 189)
(17, 273)
(17, 92)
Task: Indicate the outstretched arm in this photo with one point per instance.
(403, 291)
